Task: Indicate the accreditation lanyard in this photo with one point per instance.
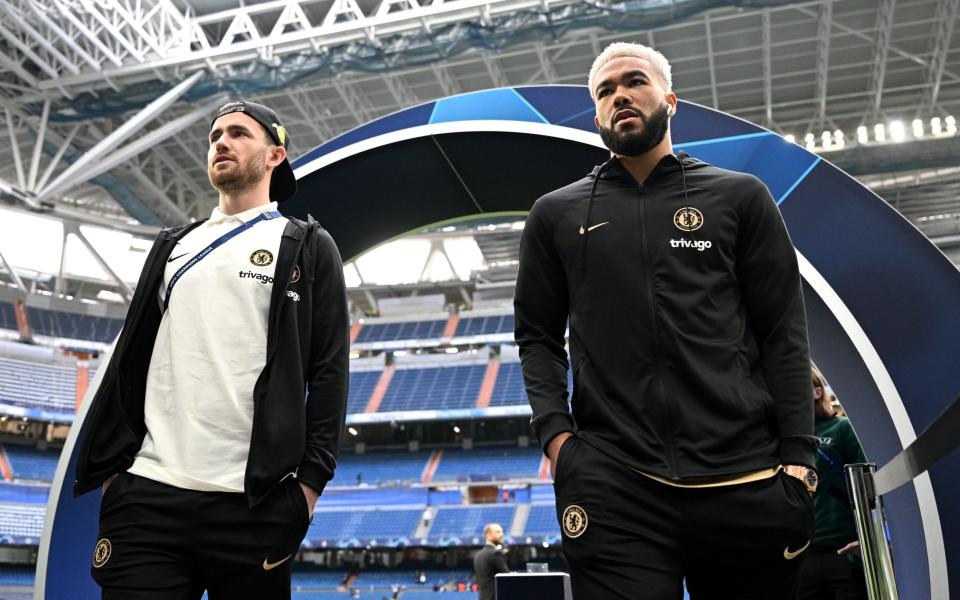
(265, 216)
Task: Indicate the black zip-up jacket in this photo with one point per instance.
(307, 349)
(687, 329)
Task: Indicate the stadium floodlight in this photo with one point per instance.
(353, 431)
(862, 136)
(452, 350)
(879, 132)
(790, 138)
(826, 139)
(897, 132)
(935, 126)
(810, 141)
(456, 429)
(951, 124)
(838, 138)
(917, 128)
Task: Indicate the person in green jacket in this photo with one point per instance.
(832, 570)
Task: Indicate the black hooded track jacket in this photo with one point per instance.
(307, 348)
(687, 328)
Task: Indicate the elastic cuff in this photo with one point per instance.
(552, 427)
(313, 476)
(799, 450)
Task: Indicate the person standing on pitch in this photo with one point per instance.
(210, 454)
(489, 561)
(689, 451)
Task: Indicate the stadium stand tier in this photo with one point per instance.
(468, 521)
(439, 388)
(24, 494)
(486, 325)
(56, 323)
(30, 463)
(405, 330)
(37, 385)
(362, 384)
(21, 523)
(380, 468)
(488, 464)
(344, 525)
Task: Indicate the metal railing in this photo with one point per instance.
(867, 487)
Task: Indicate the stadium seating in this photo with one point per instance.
(16, 575)
(21, 523)
(36, 385)
(468, 522)
(30, 463)
(485, 325)
(72, 325)
(379, 524)
(362, 384)
(24, 494)
(438, 388)
(8, 318)
(542, 520)
(392, 496)
(487, 464)
(407, 330)
(509, 389)
(381, 468)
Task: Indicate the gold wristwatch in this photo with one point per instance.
(805, 474)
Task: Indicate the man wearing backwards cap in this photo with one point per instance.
(209, 457)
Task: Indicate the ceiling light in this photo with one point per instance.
(353, 431)
(862, 136)
(456, 429)
(917, 128)
(897, 132)
(879, 132)
(451, 350)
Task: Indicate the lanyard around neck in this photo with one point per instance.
(265, 216)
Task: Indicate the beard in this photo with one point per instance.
(637, 141)
(242, 176)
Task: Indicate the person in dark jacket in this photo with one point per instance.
(689, 450)
(218, 420)
(489, 561)
(833, 570)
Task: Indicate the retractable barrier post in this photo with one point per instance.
(871, 528)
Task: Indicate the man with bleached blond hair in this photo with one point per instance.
(689, 451)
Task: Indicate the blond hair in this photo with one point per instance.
(620, 49)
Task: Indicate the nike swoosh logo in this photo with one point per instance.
(268, 565)
(786, 551)
(592, 227)
(173, 258)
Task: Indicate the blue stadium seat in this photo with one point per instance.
(406, 330)
(18, 575)
(509, 390)
(21, 523)
(488, 464)
(468, 522)
(24, 494)
(485, 325)
(434, 388)
(375, 523)
(380, 468)
(30, 463)
(361, 388)
(542, 520)
(386, 496)
(36, 385)
(8, 318)
(63, 324)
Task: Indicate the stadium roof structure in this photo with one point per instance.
(106, 103)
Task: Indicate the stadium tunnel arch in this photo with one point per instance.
(881, 299)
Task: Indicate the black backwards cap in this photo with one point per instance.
(283, 184)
